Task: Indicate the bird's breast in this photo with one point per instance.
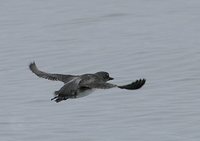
(84, 92)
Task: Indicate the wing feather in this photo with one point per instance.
(55, 77)
(134, 85)
(99, 85)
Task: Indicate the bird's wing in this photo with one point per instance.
(134, 85)
(69, 89)
(100, 85)
(55, 77)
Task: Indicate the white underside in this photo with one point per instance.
(85, 93)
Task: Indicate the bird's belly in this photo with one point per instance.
(84, 93)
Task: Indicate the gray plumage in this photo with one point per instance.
(76, 86)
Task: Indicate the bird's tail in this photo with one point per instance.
(58, 97)
(56, 93)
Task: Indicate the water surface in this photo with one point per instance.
(156, 40)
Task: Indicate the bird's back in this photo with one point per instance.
(87, 79)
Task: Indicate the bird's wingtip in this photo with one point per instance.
(32, 65)
(134, 85)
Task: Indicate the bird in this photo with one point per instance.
(76, 86)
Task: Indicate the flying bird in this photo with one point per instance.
(76, 86)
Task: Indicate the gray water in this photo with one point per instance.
(132, 39)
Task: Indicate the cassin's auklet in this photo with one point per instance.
(76, 86)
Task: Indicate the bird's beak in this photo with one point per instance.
(110, 78)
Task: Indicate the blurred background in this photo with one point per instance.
(131, 39)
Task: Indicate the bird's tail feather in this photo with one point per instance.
(56, 93)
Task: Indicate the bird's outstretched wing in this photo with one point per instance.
(100, 85)
(134, 85)
(55, 77)
(69, 90)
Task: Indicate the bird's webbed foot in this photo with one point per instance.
(59, 98)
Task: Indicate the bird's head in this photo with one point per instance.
(104, 75)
